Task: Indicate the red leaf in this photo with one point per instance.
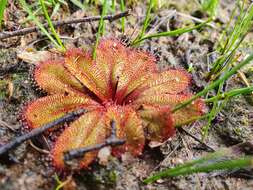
(157, 120)
(52, 77)
(129, 127)
(47, 109)
(123, 68)
(167, 82)
(86, 131)
(180, 117)
(81, 65)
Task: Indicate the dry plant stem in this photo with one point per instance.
(37, 131)
(244, 78)
(166, 18)
(195, 19)
(111, 141)
(9, 34)
(4, 124)
(196, 139)
(38, 149)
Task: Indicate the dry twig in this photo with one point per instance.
(19, 140)
(4, 124)
(113, 140)
(9, 34)
(38, 149)
(182, 130)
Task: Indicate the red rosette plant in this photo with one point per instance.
(120, 84)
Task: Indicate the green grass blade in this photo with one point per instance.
(234, 40)
(104, 12)
(113, 5)
(223, 62)
(211, 116)
(147, 18)
(100, 28)
(122, 8)
(145, 24)
(192, 119)
(225, 31)
(241, 28)
(49, 21)
(205, 167)
(210, 6)
(222, 159)
(214, 84)
(230, 94)
(171, 33)
(26, 7)
(3, 4)
(214, 111)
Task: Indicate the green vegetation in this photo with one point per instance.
(141, 37)
(3, 4)
(122, 8)
(210, 6)
(211, 162)
(176, 32)
(228, 49)
(214, 84)
(145, 24)
(101, 28)
(42, 2)
(27, 8)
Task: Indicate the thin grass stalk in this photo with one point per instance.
(213, 113)
(217, 106)
(60, 183)
(104, 12)
(214, 84)
(230, 94)
(49, 21)
(219, 165)
(242, 28)
(147, 18)
(187, 165)
(122, 8)
(197, 118)
(145, 24)
(100, 28)
(37, 22)
(235, 38)
(113, 5)
(220, 45)
(210, 6)
(55, 10)
(171, 33)
(229, 60)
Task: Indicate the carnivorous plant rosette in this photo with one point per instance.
(121, 84)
